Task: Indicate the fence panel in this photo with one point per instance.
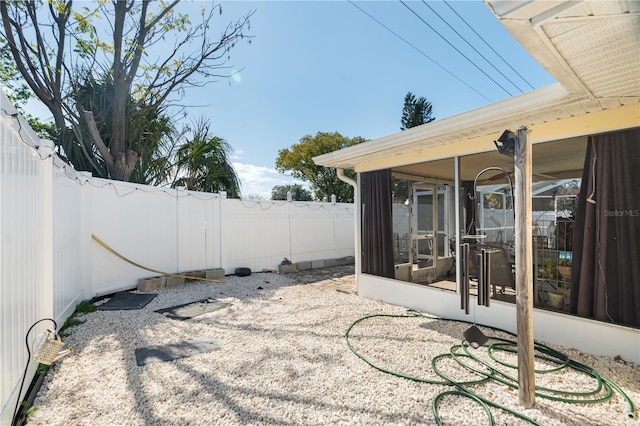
(24, 277)
(317, 234)
(344, 226)
(179, 231)
(260, 234)
(255, 234)
(196, 231)
(70, 257)
(137, 221)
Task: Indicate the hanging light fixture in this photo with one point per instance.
(507, 143)
(49, 350)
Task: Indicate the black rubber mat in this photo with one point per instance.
(125, 300)
(173, 351)
(475, 337)
(192, 309)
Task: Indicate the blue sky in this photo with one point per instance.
(328, 66)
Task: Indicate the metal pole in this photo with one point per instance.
(458, 223)
(357, 214)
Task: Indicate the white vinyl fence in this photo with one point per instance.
(49, 262)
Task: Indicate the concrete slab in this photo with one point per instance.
(330, 263)
(214, 274)
(173, 281)
(194, 275)
(286, 269)
(303, 266)
(151, 284)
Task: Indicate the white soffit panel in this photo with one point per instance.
(603, 53)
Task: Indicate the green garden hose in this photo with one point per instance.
(489, 372)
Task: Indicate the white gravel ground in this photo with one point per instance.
(284, 360)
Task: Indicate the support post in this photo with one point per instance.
(463, 249)
(458, 222)
(357, 215)
(484, 277)
(524, 268)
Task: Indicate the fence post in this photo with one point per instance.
(220, 233)
(46, 152)
(86, 229)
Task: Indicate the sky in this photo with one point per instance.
(325, 66)
(341, 66)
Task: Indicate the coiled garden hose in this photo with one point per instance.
(489, 372)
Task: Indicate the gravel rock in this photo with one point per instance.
(284, 360)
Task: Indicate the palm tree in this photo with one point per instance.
(155, 166)
(148, 132)
(203, 164)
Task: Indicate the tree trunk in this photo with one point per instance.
(124, 164)
(124, 159)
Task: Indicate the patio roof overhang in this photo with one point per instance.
(591, 48)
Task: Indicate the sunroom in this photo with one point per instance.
(436, 202)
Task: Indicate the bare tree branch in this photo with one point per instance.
(55, 71)
(97, 138)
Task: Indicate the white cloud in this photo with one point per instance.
(259, 180)
(237, 154)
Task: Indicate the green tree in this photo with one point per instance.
(17, 90)
(298, 160)
(400, 190)
(57, 49)
(19, 93)
(156, 163)
(298, 193)
(254, 197)
(203, 163)
(415, 112)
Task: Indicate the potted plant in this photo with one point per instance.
(550, 271)
(564, 268)
(556, 300)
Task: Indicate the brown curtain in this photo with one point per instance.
(606, 242)
(377, 224)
